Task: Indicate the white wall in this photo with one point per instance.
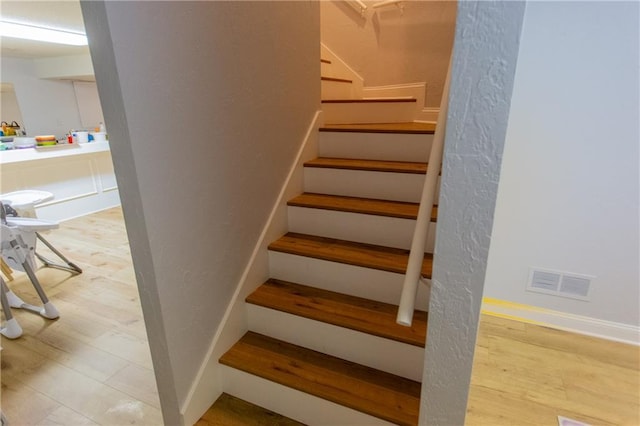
(88, 104)
(206, 104)
(568, 195)
(47, 106)
(9, 108)
(387, 47)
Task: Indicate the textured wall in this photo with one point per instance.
(205, 115)
(485, 54)
(568, 197)
(387, 47)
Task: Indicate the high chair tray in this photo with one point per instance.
(31, 224)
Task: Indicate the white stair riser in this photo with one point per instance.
(289, 402)
(394, 357)
(366, 184)
(375, 146)
(368, 112)
(372, 284)
(362, 228)
(336, 90)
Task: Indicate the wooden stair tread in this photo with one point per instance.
(369, 165)
(399, 209)
(365, 389)
(231, 411)
(339, 80)
(349, 252)
(367, 101)
(408, 127)
(355, 313)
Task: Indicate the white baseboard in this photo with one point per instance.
(609, 330)
(207, 385)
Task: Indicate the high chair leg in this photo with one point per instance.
(69, 266)
(48, 310)
(11, 329)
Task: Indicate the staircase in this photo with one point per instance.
(323, 346)
(343, 100)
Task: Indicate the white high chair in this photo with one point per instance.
(17, 247)
(24, 202)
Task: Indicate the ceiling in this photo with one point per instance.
(58, 14)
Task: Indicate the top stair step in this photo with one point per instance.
(349, 252)
(361, 388)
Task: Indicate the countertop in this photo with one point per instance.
(41, 153)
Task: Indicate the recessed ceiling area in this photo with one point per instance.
(62, 15)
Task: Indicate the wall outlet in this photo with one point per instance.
(559, 283)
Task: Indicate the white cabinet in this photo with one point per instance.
(81, 178)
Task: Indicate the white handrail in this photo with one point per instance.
(421, 232)
(358, 4)
(388, 3)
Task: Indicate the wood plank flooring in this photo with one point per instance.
(92, 366)
(525, 374)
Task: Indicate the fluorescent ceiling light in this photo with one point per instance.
(31, 32)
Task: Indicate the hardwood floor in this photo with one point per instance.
(92, 366)
(526, 374)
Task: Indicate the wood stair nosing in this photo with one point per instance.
(368, 165)
(336, 79)
(368, 101)
(349, 252)
(380, 394)
(395, 128)
(355, 313)
(397, 209)
(231, 411)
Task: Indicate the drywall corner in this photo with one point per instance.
(483, 69)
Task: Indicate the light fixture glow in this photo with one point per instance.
(31, 32)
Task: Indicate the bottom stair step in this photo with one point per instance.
(231, 411)
(361, 388)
